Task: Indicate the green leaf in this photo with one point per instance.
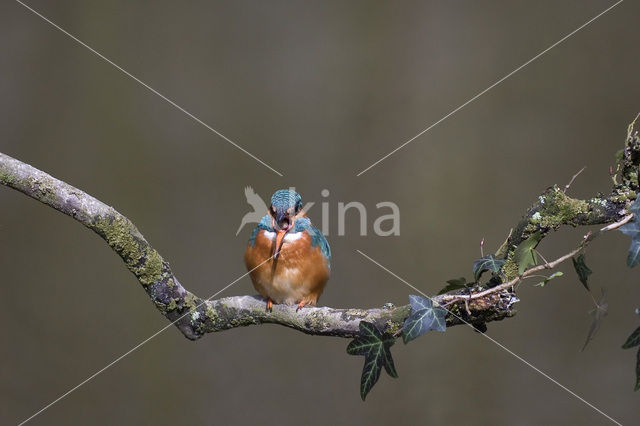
(454, 284)
(374, 346)
(418, 302)
(423, 317)
(549, 278)
(598, 314)
(632, 229)
(582, 270)
(633, 340)
(633, 258)
(525, 255)
(635, 207)
(486, 263)
(637, 372)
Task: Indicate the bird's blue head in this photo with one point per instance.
(285, 205)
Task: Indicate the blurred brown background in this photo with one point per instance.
(319, 90)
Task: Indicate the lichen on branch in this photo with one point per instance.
(195, 316)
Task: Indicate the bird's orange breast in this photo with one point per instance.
(298, 274)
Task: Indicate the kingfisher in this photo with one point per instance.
(287, 257)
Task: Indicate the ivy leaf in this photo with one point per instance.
(601, 310)
(374, 346)
(549, 278)
(633, 340)
(525, 255)
(635, 207)
(423, 317)
(454, 284)
(632, 229)
(486, 263)
(637, 372)
(633, 258)
(582, 270)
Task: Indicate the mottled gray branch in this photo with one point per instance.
(195, 316)
(554, 208)
(192, 315)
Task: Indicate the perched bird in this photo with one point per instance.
(287, 257)
(259, 207)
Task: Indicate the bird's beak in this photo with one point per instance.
(282, 225)
(279, 238)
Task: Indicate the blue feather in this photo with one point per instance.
(282, 199)
(265, 224)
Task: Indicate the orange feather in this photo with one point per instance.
(297, 275)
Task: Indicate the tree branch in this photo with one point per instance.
(194, 316)
(451, 298)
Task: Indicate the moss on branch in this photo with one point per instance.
(192, 315)
(195, 317)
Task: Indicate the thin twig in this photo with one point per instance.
(448, 299)
(541, 256)
(206, 316)
(573, 178)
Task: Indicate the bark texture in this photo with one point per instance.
(195, 316)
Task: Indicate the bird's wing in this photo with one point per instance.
(317, 237)
(255, 200)
(323, 243)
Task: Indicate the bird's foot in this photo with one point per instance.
(301, 305)
(269, 305)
